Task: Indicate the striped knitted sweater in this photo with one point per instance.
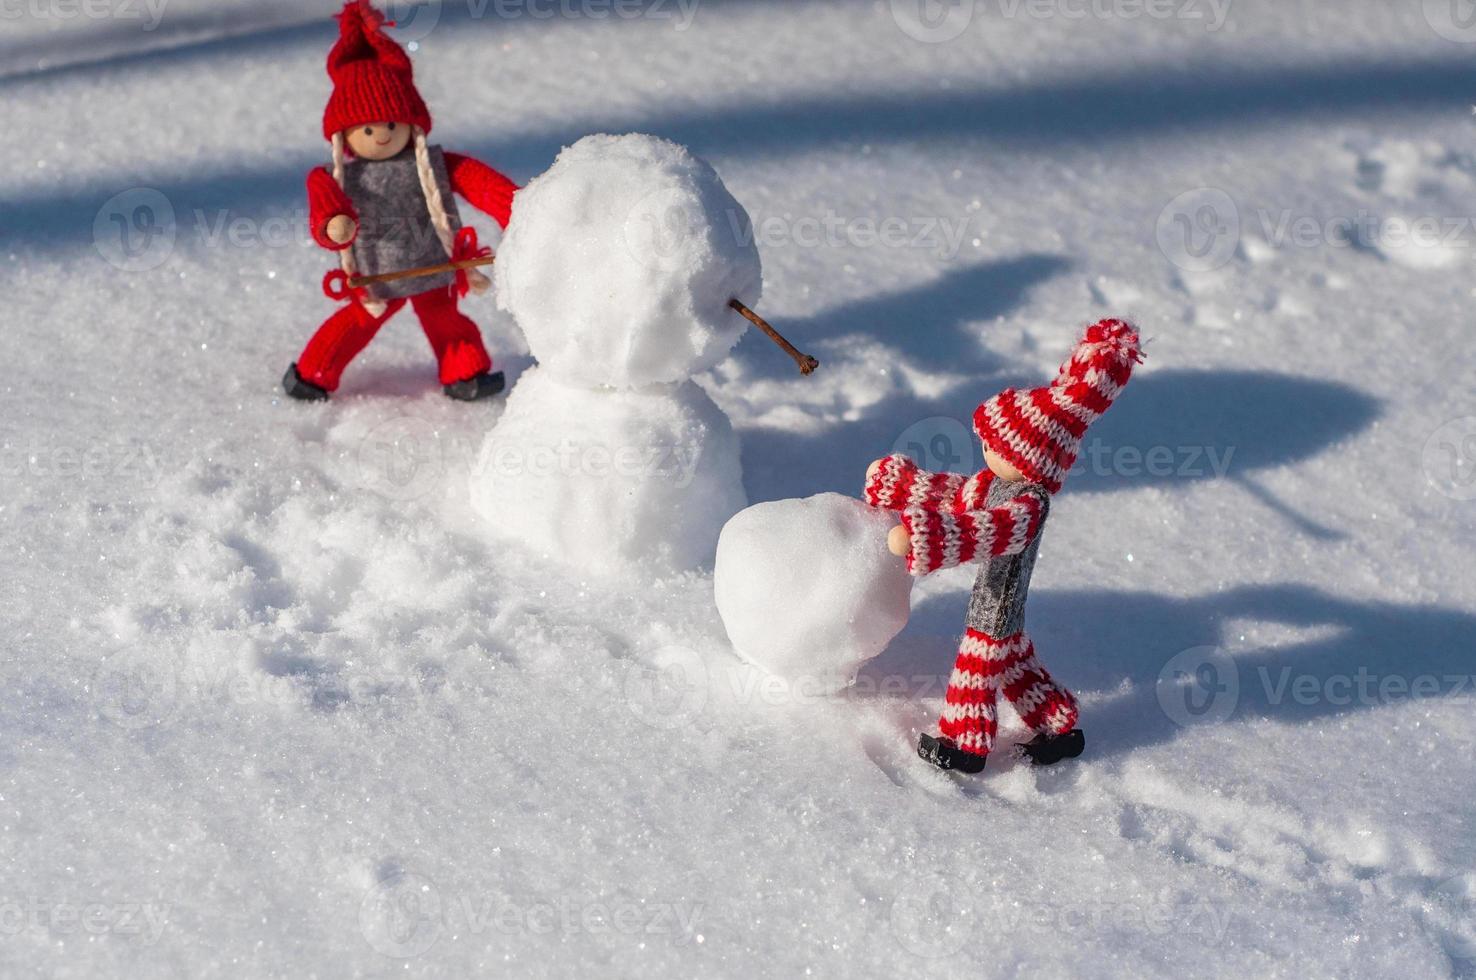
(946, 516)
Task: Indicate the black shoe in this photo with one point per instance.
(943, 753)
(475, 389)
(1047, 750)
(303, 391)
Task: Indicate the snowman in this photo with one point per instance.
(620, 264)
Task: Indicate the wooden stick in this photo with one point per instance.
(807, 364)
(358, 282)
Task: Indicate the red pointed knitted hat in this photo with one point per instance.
(373, 80)
(1040, 431)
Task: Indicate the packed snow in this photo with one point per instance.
(619, 265)
(278, 700)
(808, 590)
(610, 481)
(621, 260)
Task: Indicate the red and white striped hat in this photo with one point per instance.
(1040, 431)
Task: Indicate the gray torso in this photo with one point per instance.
(997, 607)
(395, 229)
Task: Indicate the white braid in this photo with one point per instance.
(436, 205)
(432, 190)
(346, 256)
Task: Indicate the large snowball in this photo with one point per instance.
(620, 261)
(608, 481)
(808, 590)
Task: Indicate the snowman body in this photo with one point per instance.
(618, 265)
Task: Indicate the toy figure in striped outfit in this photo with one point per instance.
(1031, 440)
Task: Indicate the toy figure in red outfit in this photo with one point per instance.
(388, 206)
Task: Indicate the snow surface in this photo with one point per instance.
(268, 713)
(612, 482)
(620, 262)
(808, 591)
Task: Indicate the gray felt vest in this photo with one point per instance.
(395, 229)
(997, 607)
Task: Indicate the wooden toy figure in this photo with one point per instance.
(1031, 439)
(387, 209)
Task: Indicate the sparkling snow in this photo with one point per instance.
(273, 705)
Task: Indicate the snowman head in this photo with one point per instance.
(620, 261)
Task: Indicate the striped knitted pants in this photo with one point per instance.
(987, 668)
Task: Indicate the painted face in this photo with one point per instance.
(1001, 467)
(378, 141)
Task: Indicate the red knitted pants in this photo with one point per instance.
(987, 668)
(454, 338)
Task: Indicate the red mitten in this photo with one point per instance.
(326, 201)
(900, 484)
(888, 482)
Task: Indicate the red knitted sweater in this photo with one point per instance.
(945, 517)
